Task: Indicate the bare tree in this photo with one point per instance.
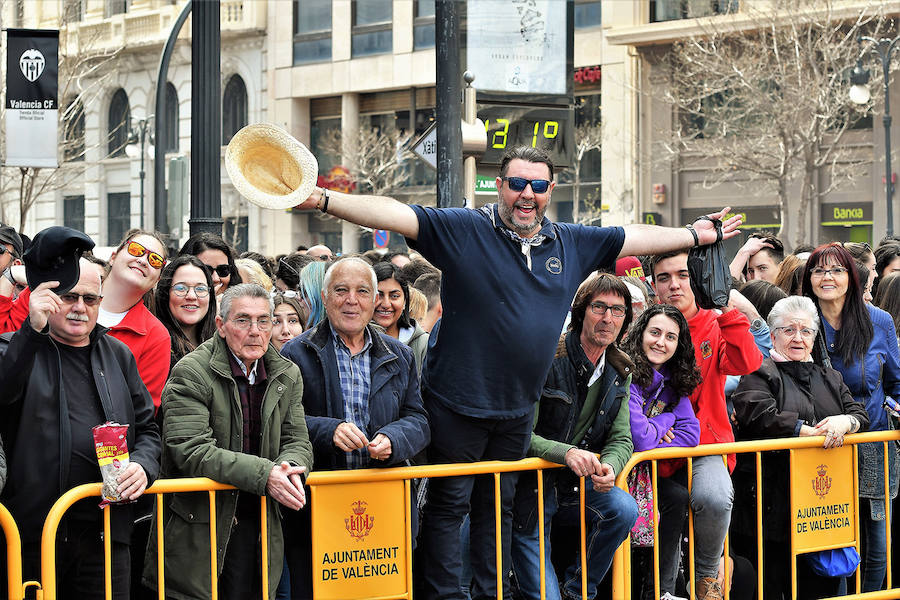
(764, 94)
(376, 156)
(83, 71)
(588, 137)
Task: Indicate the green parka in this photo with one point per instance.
(203, 438)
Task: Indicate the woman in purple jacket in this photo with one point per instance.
(665, 374)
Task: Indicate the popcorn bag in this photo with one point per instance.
(111, 444)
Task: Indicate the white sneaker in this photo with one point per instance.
(668, 596)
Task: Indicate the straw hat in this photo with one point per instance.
(269, 167)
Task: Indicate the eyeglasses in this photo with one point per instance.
(599, 308)
(72, 298)
(517, 184)
(153, 259)
(4, 250)
(181, 290)
(223, 270)
(834, 271)
(244, 324)
(286, 294)
(789, 332)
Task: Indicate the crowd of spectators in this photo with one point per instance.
(479, 343)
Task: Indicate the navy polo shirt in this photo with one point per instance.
(501, 320)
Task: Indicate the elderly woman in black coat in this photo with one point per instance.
(788, 396)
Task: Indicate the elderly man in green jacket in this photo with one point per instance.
(232, 412)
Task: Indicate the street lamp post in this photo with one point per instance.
(859, 93)
(137, 144)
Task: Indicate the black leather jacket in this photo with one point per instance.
(35, 426)
(562, 400)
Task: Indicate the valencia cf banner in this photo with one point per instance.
(32, 107)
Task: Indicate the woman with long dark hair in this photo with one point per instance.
(392, 311)
(861, 344)
(186, 305)
(665, 375)
(216, 254)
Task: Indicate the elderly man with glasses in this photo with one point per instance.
(63, 375)
(232, 412)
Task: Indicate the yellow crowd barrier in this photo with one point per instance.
(622, 559)
(359, 524)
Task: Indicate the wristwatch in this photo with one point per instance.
(757, 324)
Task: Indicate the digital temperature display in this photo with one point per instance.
(548, 128)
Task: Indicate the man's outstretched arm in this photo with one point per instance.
(377, 212)
(651, 239)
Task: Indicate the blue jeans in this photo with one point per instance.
(609, 516)
(874, 558)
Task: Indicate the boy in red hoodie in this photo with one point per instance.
(723, 346)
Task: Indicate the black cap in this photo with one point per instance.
(54, 255)
(8, 235)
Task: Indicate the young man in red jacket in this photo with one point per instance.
(723, 346)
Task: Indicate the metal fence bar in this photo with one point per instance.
(213, 547)
(541, 545)
(582, 538)
(15, 589)
(160, 550)
(107, 553)
(759, 527)
(498, 535)
(690, 481)
(264, 543)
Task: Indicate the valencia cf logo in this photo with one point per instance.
(822, 482)
(705, 349)
(359, 524)
(32, 64)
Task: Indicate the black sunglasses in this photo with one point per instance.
(517, 184)
(223, 270)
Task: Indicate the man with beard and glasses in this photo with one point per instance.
(62, 376)
(487, 365)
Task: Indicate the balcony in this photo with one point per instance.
(151, 26)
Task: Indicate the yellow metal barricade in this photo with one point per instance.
(355, 517)
(622, 559)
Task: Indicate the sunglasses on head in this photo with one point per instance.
(153, 259)
(518, 184)
(72, 298)
(223, 270)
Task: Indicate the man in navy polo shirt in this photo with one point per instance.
(508, 278)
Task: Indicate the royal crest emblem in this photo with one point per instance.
(822, 482)
(359, 524)
(32, 64)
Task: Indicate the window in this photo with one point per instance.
(73, 11)
(116, 7)
(73, 212)
(312, 31)
(169, 143)
(587, 114)
(671, 10)
(587, 14)
(321, 137)
(423, 25)
(234, 108)
(118, 216)
(371, 33)
(235, 231)
(73, 131)
(119, 124)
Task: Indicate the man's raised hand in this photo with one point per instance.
(43, 303)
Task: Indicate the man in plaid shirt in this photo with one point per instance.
(360, 391)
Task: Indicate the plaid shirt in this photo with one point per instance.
(354, 372)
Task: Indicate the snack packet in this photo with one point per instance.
(111, 444)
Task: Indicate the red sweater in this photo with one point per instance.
(151, 345)
(723, 346)
(13, 312)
